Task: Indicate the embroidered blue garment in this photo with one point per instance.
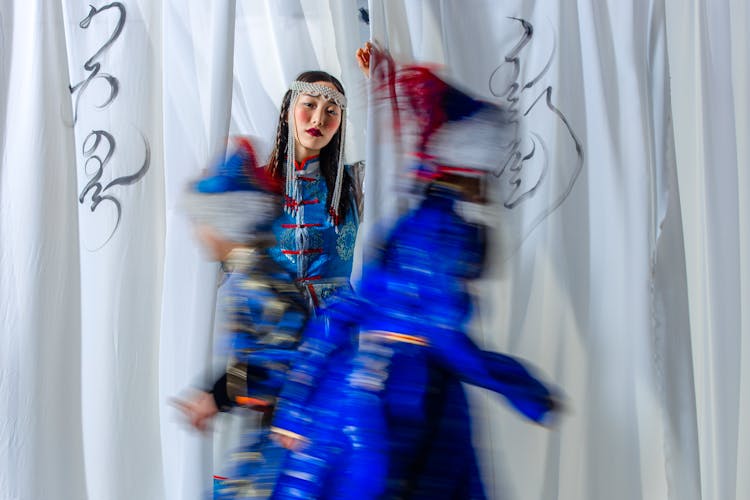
(309, 246)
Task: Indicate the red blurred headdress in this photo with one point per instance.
(456, 133)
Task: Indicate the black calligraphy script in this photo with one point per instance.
(92, 65)
(91, 152)
(100, 146)
(527, 164)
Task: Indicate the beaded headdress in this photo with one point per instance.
(316, 90)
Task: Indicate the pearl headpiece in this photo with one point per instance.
(316, 90)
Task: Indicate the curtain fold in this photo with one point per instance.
(41, 455)
(709, 48)
(114, 61)
(197, 77)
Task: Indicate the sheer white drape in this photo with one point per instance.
(114, 59)
(41, 437)
(709, 50)
(104, 321)
(198, 55)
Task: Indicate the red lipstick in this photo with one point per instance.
(314, 132)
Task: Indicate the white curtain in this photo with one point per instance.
(709, 51)
(41, 386)
(621, 277)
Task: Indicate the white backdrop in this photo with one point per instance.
(709, 50)
(622, 278)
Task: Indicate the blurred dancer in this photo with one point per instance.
(262, 311)
(392, 418)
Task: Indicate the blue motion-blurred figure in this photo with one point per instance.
(391, 417)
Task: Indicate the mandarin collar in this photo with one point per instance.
(309, 165)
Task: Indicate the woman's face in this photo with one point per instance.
(317, 121)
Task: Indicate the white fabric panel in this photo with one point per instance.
(709, 50)
(587, 296)
(41, 453)
(198, 55)
(740, 43)
(670, 320)
(114, 59)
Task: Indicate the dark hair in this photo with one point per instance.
(329, 155)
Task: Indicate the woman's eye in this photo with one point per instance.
(333, 112)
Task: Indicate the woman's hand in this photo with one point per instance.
(199, 409)
(363, 58)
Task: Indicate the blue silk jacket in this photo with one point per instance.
(309, 246)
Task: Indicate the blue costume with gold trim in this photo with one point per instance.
(367, 413)
(318, 257)
(260, 308)
(263, 317)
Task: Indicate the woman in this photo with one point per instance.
(317, 232)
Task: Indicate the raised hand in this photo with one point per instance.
(363, 58)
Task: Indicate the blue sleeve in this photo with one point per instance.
(291, 409)
(263, 321)
(496, 372)
(325, 338)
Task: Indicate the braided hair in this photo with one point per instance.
(329, 155)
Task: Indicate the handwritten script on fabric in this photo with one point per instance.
(99, 147)
(529, 161)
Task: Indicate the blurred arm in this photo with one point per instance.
(497, 372)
